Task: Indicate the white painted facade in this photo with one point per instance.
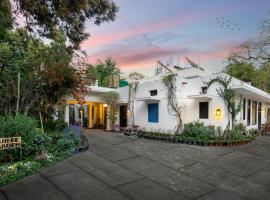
(189, 93)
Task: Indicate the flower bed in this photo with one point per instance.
(196, 141)
(39, 149)
(197, 134)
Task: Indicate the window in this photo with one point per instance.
(254, 112)
(153, 92)
(203, 110)
(244, 109)
(153, 112)
(248, 112)
(204, 90)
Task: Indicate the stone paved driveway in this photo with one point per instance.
(120, 168)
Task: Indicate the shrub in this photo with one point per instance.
(197, 129)
(68, 141)
(22, 126)
(54, 125)
(42, 141)
(240, 128)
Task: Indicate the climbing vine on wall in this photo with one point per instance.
(131, 98)
(173, 106)
(227, 94)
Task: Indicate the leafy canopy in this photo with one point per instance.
(46, 18)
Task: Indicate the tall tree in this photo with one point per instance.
(5, 18)
(46, 18)
(102, 70)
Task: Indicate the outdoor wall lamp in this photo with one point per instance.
(218, 113)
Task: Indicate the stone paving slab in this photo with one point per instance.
(199, 153)
(110, 172)
(226, 180)
(222, 195)
(161, 156)
(2, 196)
(262, 177)
(179, 182)
(111, 152)
(81, 185)
(238, 163)
(32, 188)
(257, 150)
(60, 168)
(148, 190)
(108, 137)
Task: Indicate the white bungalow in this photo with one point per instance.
(198, 103)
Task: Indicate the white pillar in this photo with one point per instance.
(108, 124)
(67, 114)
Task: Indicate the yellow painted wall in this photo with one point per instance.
(98, 111)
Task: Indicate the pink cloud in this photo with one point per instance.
(134, 57)
(179, 20)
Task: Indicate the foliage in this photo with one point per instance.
(111, 98)
(227, 94)
(45, 71)
(68, 141)
(5, 18)
(47, 17)
(251, 60)
(22, 126)
(101, 71)
(51, 125)
(173, 105)
(243, 71)
(197, 129)
(135, 76)
(15, 171)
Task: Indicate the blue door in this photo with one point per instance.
(153, 112)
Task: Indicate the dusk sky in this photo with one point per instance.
(149, 30)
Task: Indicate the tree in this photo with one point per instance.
(5, 18)
(46, 18)
(241, 70)
(111, 98)
(101, 71)
(134, 78)
(227, 94)
(250, 61)
(46, 73)
(255, 50)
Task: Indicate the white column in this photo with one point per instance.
(108, 124)
(67, 113)
(76, 110)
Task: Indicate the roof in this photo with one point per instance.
(248, 90)
(98, 89)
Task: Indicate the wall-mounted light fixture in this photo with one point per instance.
(218, 113)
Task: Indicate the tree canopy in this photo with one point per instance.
(101, 71)
(46, 18)
(250, 62)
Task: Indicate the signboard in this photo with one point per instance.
(10, 143)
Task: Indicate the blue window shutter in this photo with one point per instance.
(153, 112)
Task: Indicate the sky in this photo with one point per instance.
(168, 30)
